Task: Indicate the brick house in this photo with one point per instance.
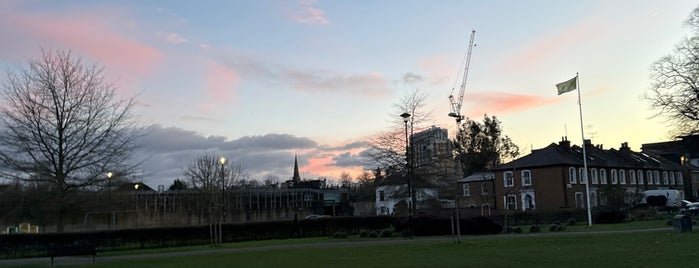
(478, 193)
(551, 178)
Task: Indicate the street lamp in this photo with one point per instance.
(222, 160)
(135, 192)
(406, 117)
(109, 200)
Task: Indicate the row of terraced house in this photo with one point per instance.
(552, 178)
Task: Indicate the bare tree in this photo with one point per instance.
(674, 90)
(387, 149)
(211, 175)
(64, 126)
(271, 181)
(345, 179)
(207, 174)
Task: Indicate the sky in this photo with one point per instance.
(263, 81)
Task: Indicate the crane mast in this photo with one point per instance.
(456, 103)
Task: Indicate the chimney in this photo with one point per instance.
(564, 143)
(625, 147)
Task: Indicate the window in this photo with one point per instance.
(649, 175)
(384, 211)
(603, 176)
(571, 176)
(526, 178)
(528, 201)
(622, 176)
(509, 179)
(466, 189)
(593, 199)
(615, 178)
(511, 202)
(640, 177)
(593, 174)
(382, 195)
(579, 200)
(581, 175)
(672, 178)
(632, 175)
(666, 178)
(485, 188)
(656, 177)
(680, 181)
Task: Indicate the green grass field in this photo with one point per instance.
(640, 249)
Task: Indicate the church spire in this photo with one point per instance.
(296, 177)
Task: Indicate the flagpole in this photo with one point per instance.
(582, 134)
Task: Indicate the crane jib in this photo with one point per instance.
(456, 103)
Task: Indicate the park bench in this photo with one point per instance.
(72, 250)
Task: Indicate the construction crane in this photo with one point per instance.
(456, 103)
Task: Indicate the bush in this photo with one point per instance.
(373, 234)
(364, 233)
(341, 235)
(556, 228)
(517, 230)
(480, 225)
(570, 222)
(535, 229)
(406, 233)
(386, 233)
(610, 216)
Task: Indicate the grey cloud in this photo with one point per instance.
(411, 78)
(305, 80)
(168, 150)
(271, 142)
(347, 160)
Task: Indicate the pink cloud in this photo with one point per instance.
(322, 166)
(438, 69)
(221, 82)
(173, 38)
(505, 103)
(88, 34)
(309, 14)
(551, 46)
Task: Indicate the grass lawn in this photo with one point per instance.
(641, 249)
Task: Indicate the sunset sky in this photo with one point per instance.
(260, 81)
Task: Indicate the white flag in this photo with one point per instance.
(567, 86)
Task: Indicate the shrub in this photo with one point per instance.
(364, 233)
(610, 216)
(570, 222)
(406, 233)
(535, 229)
(480, 225)
(373, 234)
(517, 230)
(386, 233)
(556, 228)
(341, 235)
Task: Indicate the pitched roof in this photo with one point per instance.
(478, 176)
(564, 154)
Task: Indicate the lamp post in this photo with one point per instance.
(135, 192)
(109, 200)
(222, 160)
(406, 117)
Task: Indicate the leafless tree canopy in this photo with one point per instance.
(387, 149)
(674, 90)
(64, 126)
(206, 173)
